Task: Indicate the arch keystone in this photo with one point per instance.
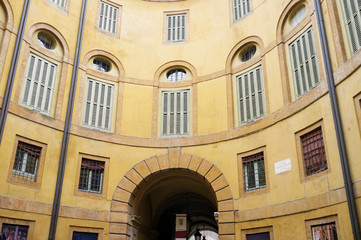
(174, 154)
(184, 160)
(163, 162)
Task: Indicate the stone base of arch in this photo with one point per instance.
(123, 222)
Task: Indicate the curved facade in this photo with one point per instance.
(217, 112)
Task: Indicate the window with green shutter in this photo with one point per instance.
(304, 63)
(250, 95)
(60, 3)
(352, 16)
(108, 17)
(39, 84)
(98, 105)
(176, 27)
(240, 8)
(175, 113)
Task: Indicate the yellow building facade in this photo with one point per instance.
(119, 117)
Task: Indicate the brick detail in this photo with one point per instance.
(226, 217)
(219, 183)
(133, 176)
(142, 169)
(224, 194)
(126, 184)
(213, 174)
(120, 207)
(119, 228)
(121, 195)
(225, 228)
(152, 164)
(120, 217)
(204, 167)
(195, 163)
(226, 205)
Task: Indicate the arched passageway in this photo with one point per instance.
(158, 191)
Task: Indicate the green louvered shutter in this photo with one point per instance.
(39, 84)
(98, 104)
(175, 113)
(304, 63)
(250, 95)
(352, 16)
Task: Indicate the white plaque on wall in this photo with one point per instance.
(283, 166)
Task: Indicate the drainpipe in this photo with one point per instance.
(338, 127)
(13, 67)
(69, 114)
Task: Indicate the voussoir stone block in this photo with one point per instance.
(126, 184)
(133, 176)
(121, 195)
(213, 174)
(195, 163)
(152, 164)
(224, 194)
(204, 167)
(163, 162)
(219, 183)
(173, 155)
(184, 160)
(142, 169)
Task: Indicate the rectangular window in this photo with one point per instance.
(240, 8)
(60, 3)
(98, 105)
(254, 172)
(304, 63)
(352, 16)
(39, 84)
(324, 231)
(175, 113)
(10, 231)
(26, 162)
(176, 27)
(250, 95)
(258, 236)
(91, 176)
(313, 151)
(84, 236)
(108, 17)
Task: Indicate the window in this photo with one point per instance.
(108, 17)
(304, 63)
(263, 233)
(298, 16)
(176, 27)
(247, 54)
(175, 113)
(240, 8)
(98, 105)
(10, 231)
(313, 151)
(258, 236)
(250, 95)
(176, 75)
(26, 161)
(324, 231)
(101, 64)
(352, 16)
(60, 3)
(91, 176)
(84, 236)
(254, 172)
(46, 40)
(39, 84)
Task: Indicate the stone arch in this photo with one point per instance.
(122, 218)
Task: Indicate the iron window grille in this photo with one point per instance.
(240, 8)
(176, 27)
(247, 54)
(101, 64)
(26, 162)
(313, 150)
(46, 40)
(250, 95)
(304, 63)
(91, 176)
(324, 231)
(254, 172)
(176, 75)
(352, 16)
(108, 17)
(175, 113)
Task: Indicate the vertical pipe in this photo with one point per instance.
(13, 67)
(338, 127)
(69, 114)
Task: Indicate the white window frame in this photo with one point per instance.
(251, 104)
(39, 85)
(352, 17)
(176, 27)
(241, 8)
(256, 176)
(101, 105)
(88, 189)
(108, 17)
(170, 115)
(23, 171)
(59, 3)
(304, 63)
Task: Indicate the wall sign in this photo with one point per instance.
(283, 166)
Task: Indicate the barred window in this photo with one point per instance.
(176, 27)
(324, 231)
(175, 113)
(39, 84)
(101, 64)
(254, 172)
(84, 236)
(248, 53)
(176, 75)
(304, 63)
(108, 17)
(46, 40)
(60, 3)
(240, 8)
(26, 162)
(98, 105)
(91, 176)
(250, 95)
(14, 231)
(352, 16)
(313, 150)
